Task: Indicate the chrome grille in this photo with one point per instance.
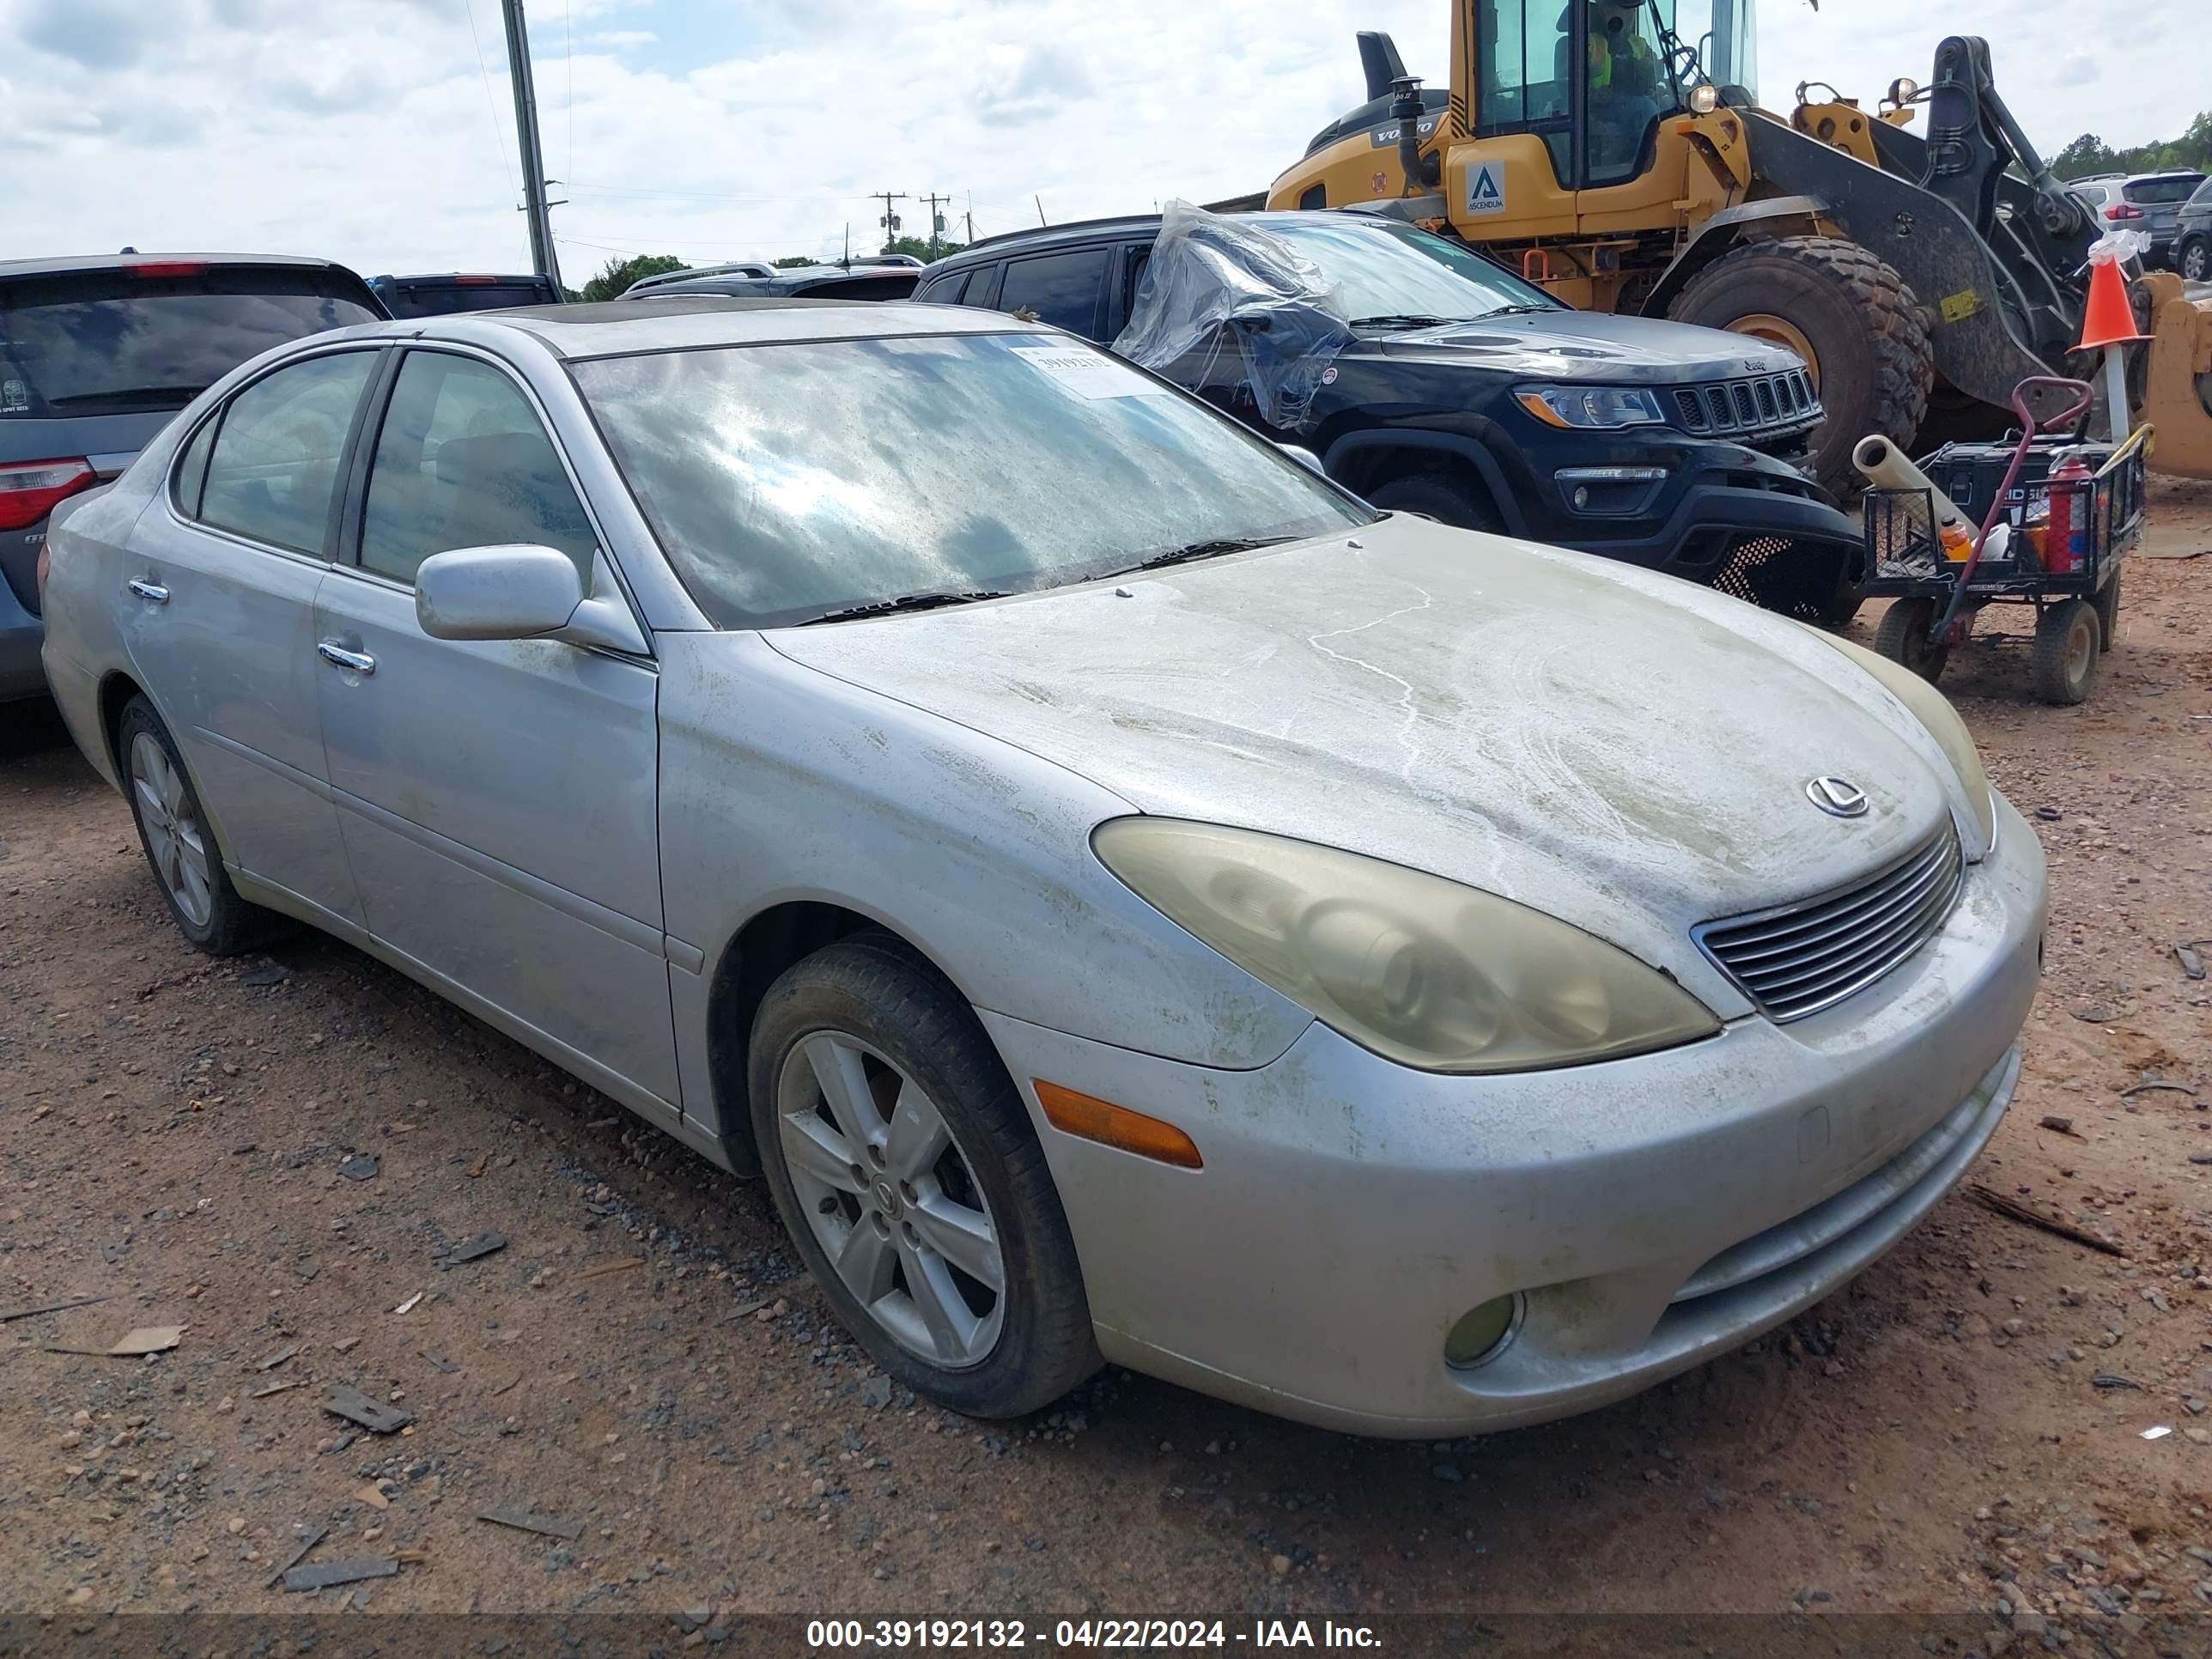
(1748, 408)
(1801, 958)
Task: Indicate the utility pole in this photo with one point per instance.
(891, 214)
(534, 205)
(936, 220)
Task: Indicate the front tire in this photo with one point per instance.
(2066, 652)
(909, 1176)
(1440, 496)
(1853, 318)
(2196, 261)
(181, 846)
(1902, 636)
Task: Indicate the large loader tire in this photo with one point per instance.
(1848, 315)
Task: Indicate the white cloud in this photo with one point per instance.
(365, 130)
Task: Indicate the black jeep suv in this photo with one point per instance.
(1431, 380)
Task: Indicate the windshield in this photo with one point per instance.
(1376, 269)
(793, 481)
(109, 342)
(1724, 33)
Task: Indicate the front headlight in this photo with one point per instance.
(1932, 710)
(1584, 408)
(1422, 970)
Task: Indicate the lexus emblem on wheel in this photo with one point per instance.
(1837, 798)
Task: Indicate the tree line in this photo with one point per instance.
(2088, 155)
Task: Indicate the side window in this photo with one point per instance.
(1525, 53)
(944, 290)
(461, 461)
(192, 467)
(1060, 288)
(272, 471)
(1625, 92)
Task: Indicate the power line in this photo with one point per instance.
(491, 103)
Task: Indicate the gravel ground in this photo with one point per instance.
(281, 1154)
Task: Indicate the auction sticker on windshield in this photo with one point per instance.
(1089, 372)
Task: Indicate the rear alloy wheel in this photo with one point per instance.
(1902, 636)
(179, 845)
(1850, 317)
(2196, 261)
(909, 1175)
(2066, 652)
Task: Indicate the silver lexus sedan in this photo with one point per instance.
(1130, 900)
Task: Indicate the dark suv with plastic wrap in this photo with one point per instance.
(1431, 380)
(97, 353)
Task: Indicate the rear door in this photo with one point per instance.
(217, 600)
(498, 798)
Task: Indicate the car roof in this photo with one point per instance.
(65, 264)
(614, 328)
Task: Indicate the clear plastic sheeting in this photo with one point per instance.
(1217, 288)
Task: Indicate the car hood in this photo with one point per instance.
(1625, 751)
(1570, 345)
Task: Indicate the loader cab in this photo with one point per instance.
(1593, 79)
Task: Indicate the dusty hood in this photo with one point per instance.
(1621, 749)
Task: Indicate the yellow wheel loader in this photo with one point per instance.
(1614, 151)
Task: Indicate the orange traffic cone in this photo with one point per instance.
(2109, 319)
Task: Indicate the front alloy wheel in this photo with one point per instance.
(909, 1175)
(891, 1200)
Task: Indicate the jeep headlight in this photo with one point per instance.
(1420, 969)
(1586, 408)
(1932, 710)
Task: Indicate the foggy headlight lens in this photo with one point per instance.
(1420, 969)
(1586, 408)
(1932, 710)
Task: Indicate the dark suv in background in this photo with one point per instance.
(96, 354)
(1466, 394)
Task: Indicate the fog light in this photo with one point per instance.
(1482, 1333)
(1582, 497)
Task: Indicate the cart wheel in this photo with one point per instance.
(1903, 638)
(2066, 652)
(2108, 611)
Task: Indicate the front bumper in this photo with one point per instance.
(1654, 1213)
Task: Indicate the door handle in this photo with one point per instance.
(149, 590)
(360, 661)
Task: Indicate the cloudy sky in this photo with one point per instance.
(379, 132)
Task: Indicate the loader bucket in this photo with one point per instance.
(2178, 400)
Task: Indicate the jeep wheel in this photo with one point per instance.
(1440, 496)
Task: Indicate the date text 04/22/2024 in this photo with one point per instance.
(902, 1635)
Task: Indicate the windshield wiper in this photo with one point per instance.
(904, 602)
(1517, 311)
(1198, 550)
(1406, 319)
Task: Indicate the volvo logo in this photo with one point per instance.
(1837, 798)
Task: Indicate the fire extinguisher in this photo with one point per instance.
(2066, 543)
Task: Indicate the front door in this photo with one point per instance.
(220, 596)
(497, 798)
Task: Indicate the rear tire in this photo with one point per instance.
(1440, 496)
(1874, 364)
(2066, 652)
(2195, 263)
(180, 843)
(919, 1234)
(1902, 636)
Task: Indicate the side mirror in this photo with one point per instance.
(517, 592)
(1305, 457)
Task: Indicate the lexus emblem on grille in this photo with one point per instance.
(1837, 798)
